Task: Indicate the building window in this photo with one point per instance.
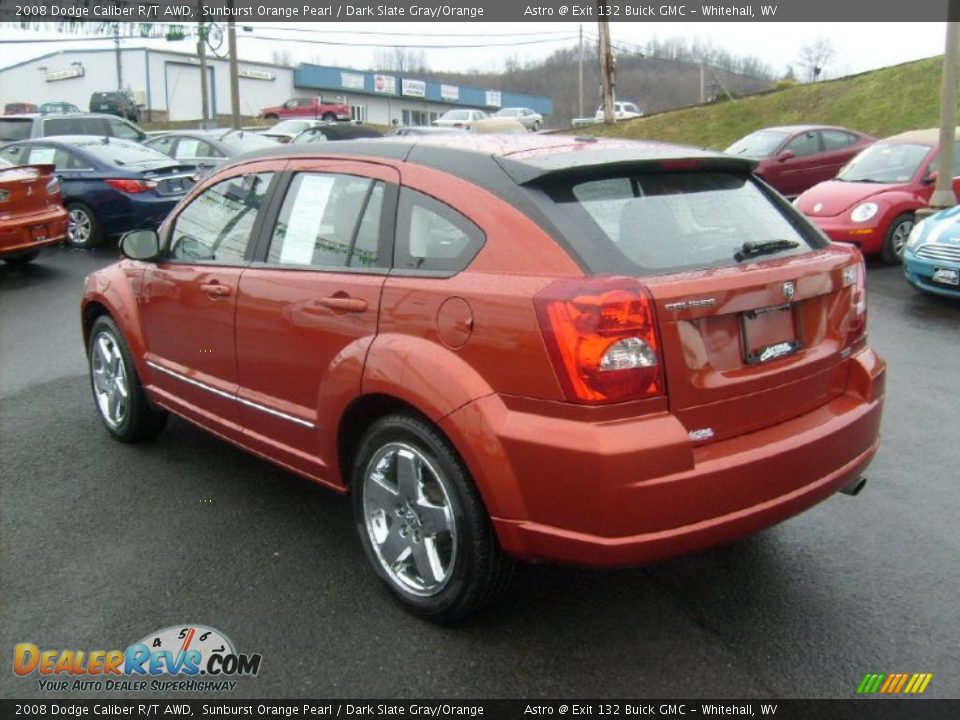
(358, 113)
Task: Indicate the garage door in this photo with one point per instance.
(183, 91)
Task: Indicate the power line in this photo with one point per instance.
(412, 46)
(408, 34)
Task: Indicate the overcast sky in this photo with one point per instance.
(860, 46)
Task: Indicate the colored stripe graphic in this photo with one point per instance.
(894, 683)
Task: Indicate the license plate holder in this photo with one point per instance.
(770, 333)
(39, 233)
(946, 276)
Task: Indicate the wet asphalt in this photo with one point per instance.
(102, 543)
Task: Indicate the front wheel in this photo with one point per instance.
(422, 523)
(895, 240)
(329, 117)
(120, 400)
(536, 125)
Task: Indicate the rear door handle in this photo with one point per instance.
(344, 304)
(215, 288)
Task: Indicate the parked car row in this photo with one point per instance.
(116, 103)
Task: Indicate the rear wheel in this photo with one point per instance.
(422, 523)
(22, 258)
(896, 239)
(119, 397)
(83, 230)
(536, 125)
(329, 117)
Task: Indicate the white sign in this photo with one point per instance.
(493, 98)
(449, 92)
(73, 72)
(385, 84)
(414, 88)
(353, 81)
(309, 206)
(257, 74)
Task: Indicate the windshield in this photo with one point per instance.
(18, 129)
(656, 222)
(245, 141)
(885, 163)
(757, 145)
(123, 154)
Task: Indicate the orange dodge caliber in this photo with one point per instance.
(517, 347)
(32, 215)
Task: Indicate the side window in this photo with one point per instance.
(836, 139)
(45, 155)
(432, 236)
(328, 221)
(15, 154)
(191, 148)
(164, 144)
(61, 126)
(803, 145)
(216, 226)
(124, 131)
(93, 126)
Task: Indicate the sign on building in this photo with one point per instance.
(414, 88)
(385, 84)
(493, 98)
(449, 92)
(354, 81)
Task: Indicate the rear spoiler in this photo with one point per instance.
(41, 168)
(578, 163)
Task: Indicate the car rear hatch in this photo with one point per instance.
(755, 313)
(23, 189)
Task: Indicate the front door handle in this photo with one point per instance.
(344, 303)
(215, 288)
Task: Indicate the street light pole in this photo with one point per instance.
(943, 195)
(234, 74)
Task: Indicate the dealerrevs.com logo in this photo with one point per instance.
(183, 657)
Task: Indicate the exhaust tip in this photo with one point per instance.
(855, 487)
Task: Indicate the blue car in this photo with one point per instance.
(109, 185)
(931, 257)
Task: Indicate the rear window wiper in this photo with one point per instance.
(751, 249)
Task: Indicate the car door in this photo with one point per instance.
(308, 309)
(795, 173)
(188, 300)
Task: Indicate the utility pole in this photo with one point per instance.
(606, 66)
(943, 195)
(116, 45)
(580, 87)
(202, 52)
(234, 73)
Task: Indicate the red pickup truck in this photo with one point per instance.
(308, 107)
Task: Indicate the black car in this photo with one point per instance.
(418, 130)
(25, 127)
(325, 133)
(115, 103)
(208, 148)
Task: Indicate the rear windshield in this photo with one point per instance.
(120, 153)
(660, 222)
(245, 141)
(15, 129)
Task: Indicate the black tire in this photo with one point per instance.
(271, 116)
(329, 117)
(896, 236)
(83, 228)
(138, 421)
(22, 258)
(536, 125)
(477, 572)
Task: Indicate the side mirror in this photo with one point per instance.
(785, 155)
(930, 178)
(140, 245)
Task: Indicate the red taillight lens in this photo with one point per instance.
(129, 186)
(857, 325)
(53, 186)
(601, 334)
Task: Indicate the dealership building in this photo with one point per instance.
(167, 85)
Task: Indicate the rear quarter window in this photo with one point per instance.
(660, 222)
(18, 129)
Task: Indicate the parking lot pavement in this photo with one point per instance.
(102, 543)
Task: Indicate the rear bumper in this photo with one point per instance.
(18, 234)
(624, 493)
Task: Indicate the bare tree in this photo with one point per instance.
(282, 58)
(813, 58)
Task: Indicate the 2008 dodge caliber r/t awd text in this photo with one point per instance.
(505, 347)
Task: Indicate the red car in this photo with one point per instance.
(505, 347)
(31, 211)
(873, 201)
(793, 158)
(308, 107)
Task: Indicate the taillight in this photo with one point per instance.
(856, 277)
(601, 334)
(53, 185)
(130, 186)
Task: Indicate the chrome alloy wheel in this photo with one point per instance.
(79, 227)
(409, 519)
(901, 234)
(110, 380)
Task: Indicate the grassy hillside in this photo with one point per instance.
(880, 103)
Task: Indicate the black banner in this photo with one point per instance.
(172, 11)
(862, 709)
